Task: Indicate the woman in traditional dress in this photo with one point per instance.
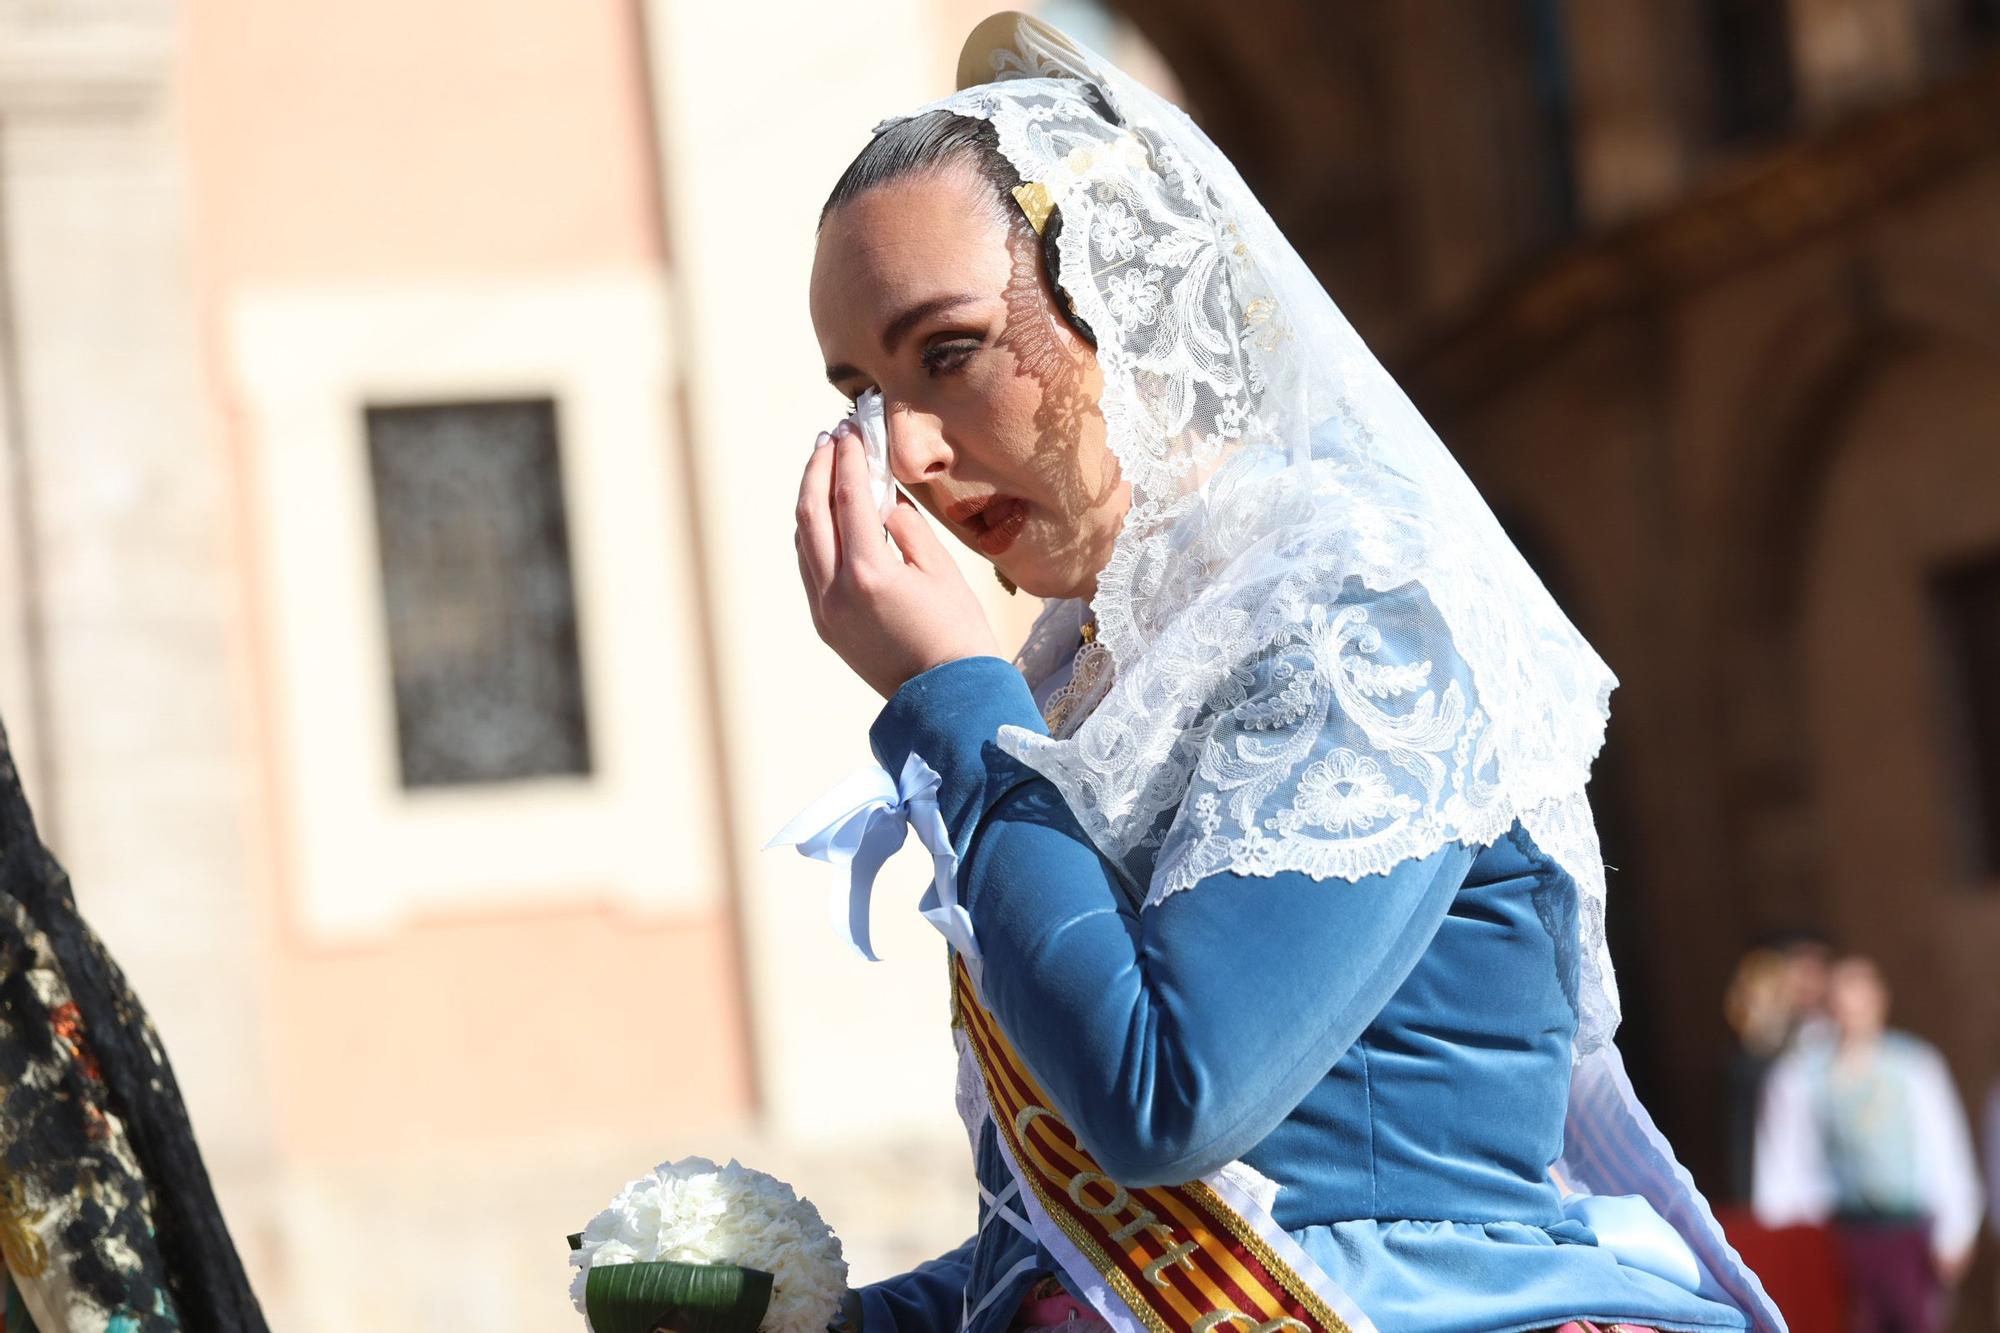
(1275, 906)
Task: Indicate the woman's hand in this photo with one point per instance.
(890, 611)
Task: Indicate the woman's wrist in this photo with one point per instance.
(950, 717)
(964, 701)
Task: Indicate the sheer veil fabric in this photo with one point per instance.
(1326, 655)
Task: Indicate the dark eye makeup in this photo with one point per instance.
(945, 355)
(949, 353)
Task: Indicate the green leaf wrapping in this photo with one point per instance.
(679, 1297)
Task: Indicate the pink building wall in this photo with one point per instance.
(369, 140)
(368, 143)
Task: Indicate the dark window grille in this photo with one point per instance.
(1752, 89)
(1545, 30)
(1982, 21)
(476, 586)
(1966, 601)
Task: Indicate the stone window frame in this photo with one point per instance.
(362, 855)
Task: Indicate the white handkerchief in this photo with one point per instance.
(873, 423)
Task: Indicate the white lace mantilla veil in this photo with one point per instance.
(1326, 655)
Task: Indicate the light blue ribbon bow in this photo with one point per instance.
(1637, 1236)
(858, 826)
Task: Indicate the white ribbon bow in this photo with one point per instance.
(859, 825)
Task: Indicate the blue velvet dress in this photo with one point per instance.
(1393, 1053)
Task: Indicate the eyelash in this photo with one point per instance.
(939, 359)
(947, 357)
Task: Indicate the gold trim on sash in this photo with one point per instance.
(1179, 1256)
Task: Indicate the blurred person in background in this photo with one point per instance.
(1776, 997)
(1759, 1010)
(1861, 1127)
(1808, 956)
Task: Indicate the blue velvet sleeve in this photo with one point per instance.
(929, 1298)
(1173, 1038)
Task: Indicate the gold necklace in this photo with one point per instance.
(1088, 673)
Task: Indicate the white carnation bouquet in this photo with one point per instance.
(699, 1248)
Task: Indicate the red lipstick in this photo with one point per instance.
(995, 521)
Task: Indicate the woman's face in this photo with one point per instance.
(925, 289)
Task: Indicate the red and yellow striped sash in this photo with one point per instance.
(1180, 1257)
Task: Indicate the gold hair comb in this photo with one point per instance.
(1035, 202)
